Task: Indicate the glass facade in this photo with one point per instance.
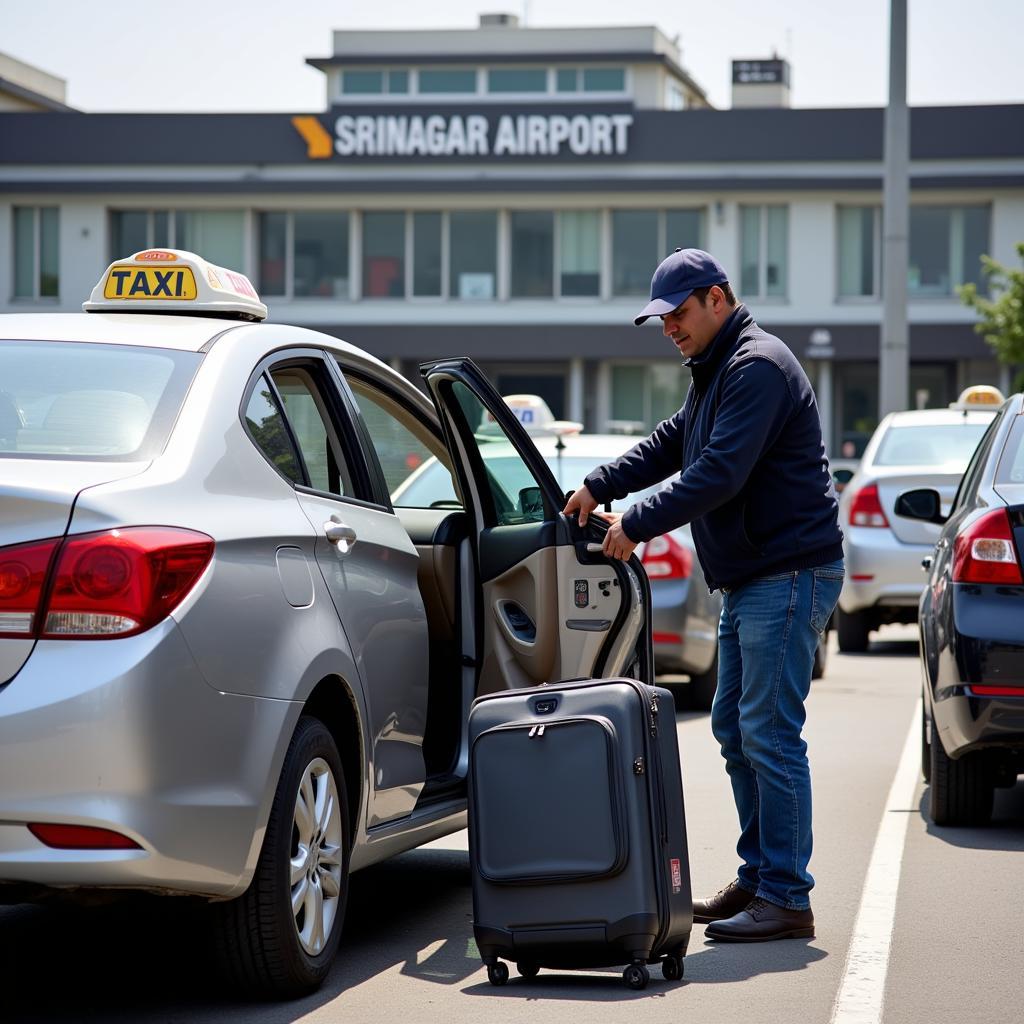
(533, 248)
(473, 254)
(36, 252)
(517, 80)
(642, 238)
(946, 245)
(447, 80)
(304, 254)
(579, 253)
(383, 255)
(427, 258)
(859, 255)
(644, 394)
(217, 234)
(764, 251)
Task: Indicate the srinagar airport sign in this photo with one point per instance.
(472, 135)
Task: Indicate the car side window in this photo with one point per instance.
(267, 428)
(314, 432)
(969, 482)
(514, 490)
(416, 465)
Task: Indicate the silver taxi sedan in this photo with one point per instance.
(919, 448)
(230, 665)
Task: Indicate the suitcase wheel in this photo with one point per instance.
(672, 968)
(528, 970)
(497, 974)
(636, 976)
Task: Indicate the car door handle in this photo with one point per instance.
(595, 549)
(341, 535)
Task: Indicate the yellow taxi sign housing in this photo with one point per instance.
(174, 281)
(979, 396)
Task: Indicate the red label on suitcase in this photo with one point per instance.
(677, 875)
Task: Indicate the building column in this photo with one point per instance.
(576, 390)
(825, 405)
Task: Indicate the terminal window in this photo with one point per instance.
(447, 80)
(946, 245)
(517, 80)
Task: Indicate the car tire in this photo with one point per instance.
(852, 630)
(266, 947)
(820, 658)
(961, 790)
(700, 691)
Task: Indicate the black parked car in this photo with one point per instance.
(971, 618)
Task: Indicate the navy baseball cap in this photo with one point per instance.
(676, 278)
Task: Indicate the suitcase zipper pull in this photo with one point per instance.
(654, 714)
(537, 731)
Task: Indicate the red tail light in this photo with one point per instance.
(866, 509)
(81, 837)
(99, 585)
(665, 558)
(23, 572)
(985, 553)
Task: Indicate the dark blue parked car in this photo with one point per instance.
(971, 618)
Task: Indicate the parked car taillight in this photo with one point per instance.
(666, 559)
(866, 509)
(984, 552)
(114, 583)
(23, 573)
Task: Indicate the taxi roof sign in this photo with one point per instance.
(978, 396)
(534, 414)
(174, 281)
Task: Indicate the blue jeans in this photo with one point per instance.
(767, 637)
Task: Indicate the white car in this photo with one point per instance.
(920, 448)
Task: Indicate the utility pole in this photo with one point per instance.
(894, 357)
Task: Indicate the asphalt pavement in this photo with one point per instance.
(954, 917)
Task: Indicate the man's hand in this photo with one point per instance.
(616, 543)
(581, 501)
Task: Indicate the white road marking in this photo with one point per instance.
(863, 986)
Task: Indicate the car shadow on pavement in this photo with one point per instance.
(145, 959)
(1004, 833)
(888, 649)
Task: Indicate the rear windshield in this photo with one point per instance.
(1011, 462)
(69, 400)
(949, 445)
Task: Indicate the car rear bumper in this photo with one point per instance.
(881, 570)
(682, 642)
(966, 722)
(988, 652)
(126, 735)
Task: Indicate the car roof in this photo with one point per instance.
(939, 417)
(599, 446)
(152, 330)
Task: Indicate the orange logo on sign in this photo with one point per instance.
(156, 256)
(319, 145)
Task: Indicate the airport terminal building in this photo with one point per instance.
(506, 192)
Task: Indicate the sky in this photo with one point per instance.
(249, 55)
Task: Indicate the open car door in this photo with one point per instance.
(550, 606)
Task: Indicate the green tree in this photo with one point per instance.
(1002, 316)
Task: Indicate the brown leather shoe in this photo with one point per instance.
(762, 921)
(725, 903)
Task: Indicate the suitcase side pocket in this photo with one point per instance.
(547, 802)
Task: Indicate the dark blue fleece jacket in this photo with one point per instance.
(752, 477)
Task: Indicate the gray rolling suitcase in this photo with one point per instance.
(577, 831)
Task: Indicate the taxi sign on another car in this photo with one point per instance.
(174, 281)
(535, 415)
(979, 396)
